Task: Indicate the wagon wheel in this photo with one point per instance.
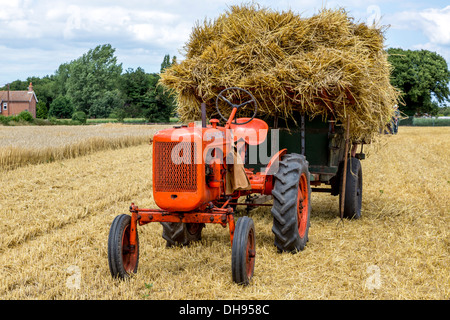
(181, 234)
(291, 204)
(224, 97)
(123, 259)
(353, 189)
(243, 251)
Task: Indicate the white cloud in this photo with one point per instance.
(436, 25)
(114, 22)
(433, 23)
(75, 21)
(54, 31)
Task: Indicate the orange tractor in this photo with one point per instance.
(198, 177)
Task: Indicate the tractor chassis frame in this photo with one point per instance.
(223, 216)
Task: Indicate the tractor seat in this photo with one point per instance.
(253, 133)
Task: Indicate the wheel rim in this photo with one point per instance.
(302, 205)
(193, 228)
(359, 193)
(250, 254)
(129, 253)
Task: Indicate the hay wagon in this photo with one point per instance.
(322, 87)
(201, 172)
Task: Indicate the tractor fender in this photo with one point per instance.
(272, 167)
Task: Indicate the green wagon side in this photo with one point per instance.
(322, 142)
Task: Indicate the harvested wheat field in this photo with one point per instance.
(55, 219)
(24, 145)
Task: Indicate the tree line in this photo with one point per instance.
(423, 77)
(96, 86)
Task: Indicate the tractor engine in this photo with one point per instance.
(186, 168)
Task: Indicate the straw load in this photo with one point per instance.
(325, 65)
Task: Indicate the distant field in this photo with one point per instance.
(425, 122)
(55, 219)
(125, 121)
(22, 145)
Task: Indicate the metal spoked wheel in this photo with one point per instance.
(122, 257)
(243, 251)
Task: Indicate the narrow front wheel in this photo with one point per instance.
(123, 258)
(243, 251)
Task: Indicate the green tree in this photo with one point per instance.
(104, 106)
(444, 111)
(165, 94)
(79, 116)
(91, 75)
(61, 107)
(166, 63)
(423, 76)
(135, 84)
(159, 107)
(41, 110)
(61, 76)
(16, 85)
(44, 88)
(25, 116)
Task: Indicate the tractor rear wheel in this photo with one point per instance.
(243, 251)
(291, 203)
(181, 234)
(123, 259)
(353, 190)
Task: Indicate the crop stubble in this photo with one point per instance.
(23, 145)
(55, 221)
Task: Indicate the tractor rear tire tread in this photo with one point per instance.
(284, 209)
(177, 234)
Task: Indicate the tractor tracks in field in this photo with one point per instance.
(26, 233)
(49, 197)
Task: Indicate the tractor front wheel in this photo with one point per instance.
(123, 258)
(243, 251)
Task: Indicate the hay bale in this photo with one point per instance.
(289, 63)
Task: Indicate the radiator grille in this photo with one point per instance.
(178, 174)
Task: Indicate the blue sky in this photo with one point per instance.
(36, 36)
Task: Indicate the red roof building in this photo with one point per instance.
(14, 102)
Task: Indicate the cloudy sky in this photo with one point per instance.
(36, 36)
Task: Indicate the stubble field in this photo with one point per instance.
(55, 219)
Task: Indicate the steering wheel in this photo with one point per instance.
(252, 100)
